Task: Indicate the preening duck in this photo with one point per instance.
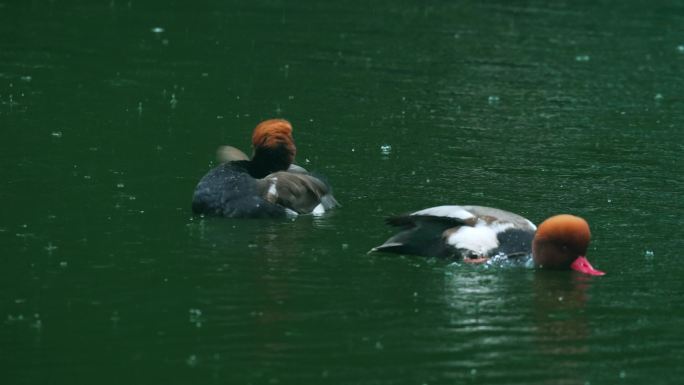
(268, 185)
(476, 233)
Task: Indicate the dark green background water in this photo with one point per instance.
(110, 112)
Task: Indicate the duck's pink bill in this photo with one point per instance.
(582, 265)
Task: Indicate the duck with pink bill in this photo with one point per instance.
(474, 234)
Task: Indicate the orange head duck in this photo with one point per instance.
(561, 242)
(267, 185)
(474, 234)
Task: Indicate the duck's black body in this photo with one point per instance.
(266, 186)
(230, 191)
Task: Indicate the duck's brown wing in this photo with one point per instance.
(301, 192)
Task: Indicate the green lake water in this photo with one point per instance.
(111, 110)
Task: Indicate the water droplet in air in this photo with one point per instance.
(493, 99)
(582, 58)
(658, 97)
(386, 149)
(680, 48)
(649, 254)
(157, 30)
(56, 134)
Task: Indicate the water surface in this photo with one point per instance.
(110, 112)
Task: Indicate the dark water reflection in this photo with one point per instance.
(111, 111)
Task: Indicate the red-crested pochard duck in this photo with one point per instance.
(267, 186)
(475, 233)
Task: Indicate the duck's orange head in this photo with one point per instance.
(561, 242)
(273, 145)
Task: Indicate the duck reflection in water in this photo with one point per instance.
(562, 330)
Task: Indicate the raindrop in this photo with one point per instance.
(56, 134)
(157, 30)
(649, 254)
(37, 324)
(195, 317)
(680, 48)
(493, 99)
(50, 248)
(582, 58)
(17, 318)
(191, 361)
(385, 149)
(120, 185)
(658, 97)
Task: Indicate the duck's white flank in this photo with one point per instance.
(272, 189)
(318, 210)
(480, 239)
